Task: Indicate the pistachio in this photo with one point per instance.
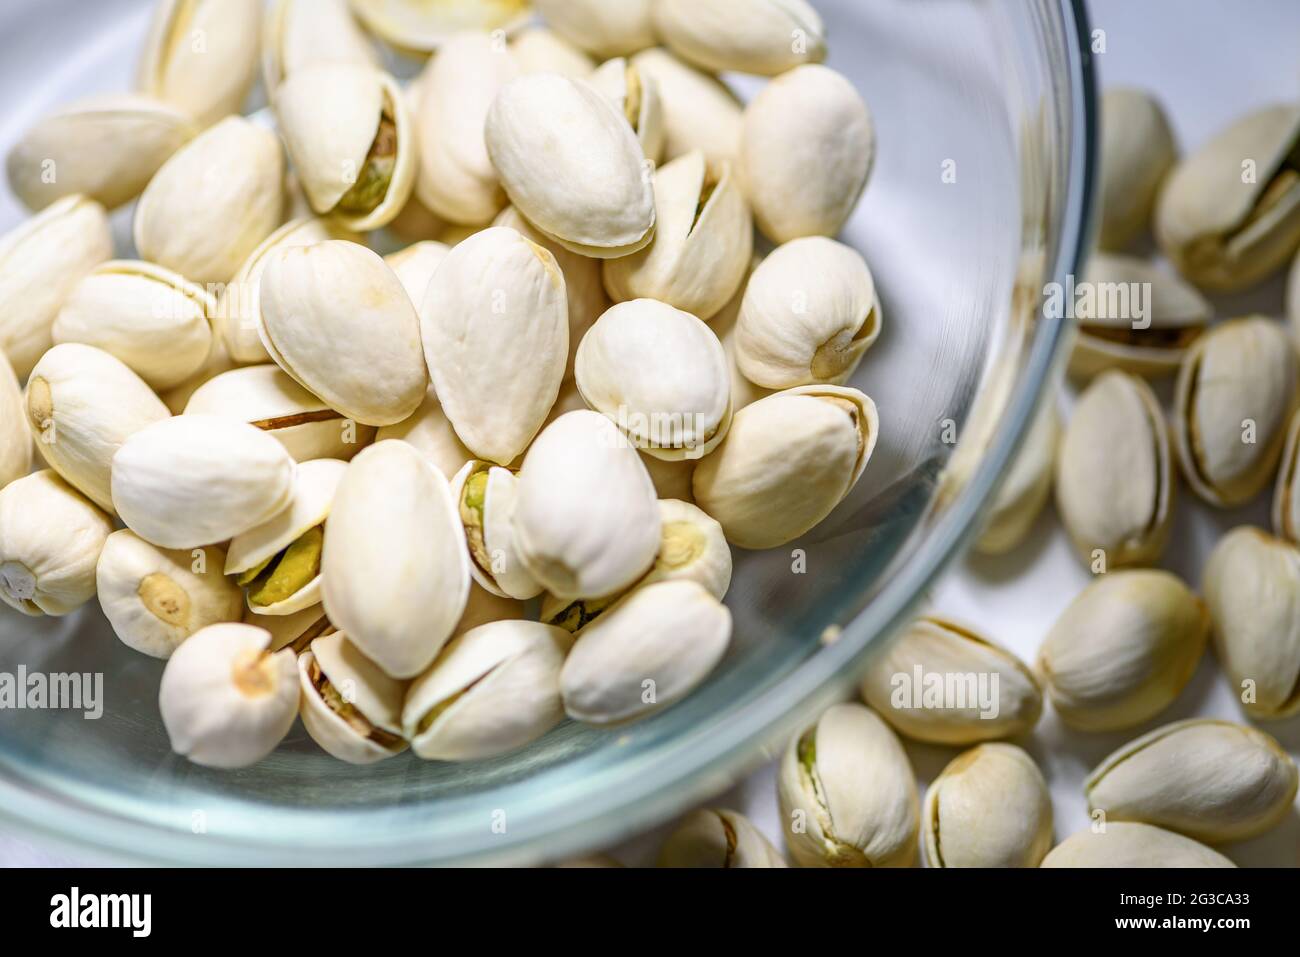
(418, 27)
(1293, 299)
(646, 653)
(787, 461)
(155, 598)
(1229, 214)
(15, 437)
(809, 314)
(1236, 391)
(191, 480)
(295, 631)
(637, 96)
(1122, 651)
(767, 37)
(349, 706)
(606, 28)
(203, 225)
(1211, 780)
(539, 50)
(41, 261)
(718, 838)
(703, 240)
(428, 431)
(944, 682)
(301, 33)
(227, 700)
(806, 185)
(988, 808)
(700, 113)
(1251, 583)
(82, 404)
(593, 194)
(50, 539)
(1286, 493)
(1137, 150)
(1114, 475)
(415, 265)
(393, 522)
(1027, 486)
(725, 324)
(1125, 844)
(485, 499)
(493, 689)
(847, 794)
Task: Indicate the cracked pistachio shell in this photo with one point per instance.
(1229, 214)
(106, 148)
(493, 689)
(787, 461)
(637, 96)
(41, 262)
(301, 33)
(50, 538)
(1026, 488)
(428, 431)
(718, 838)
(539, 50)
(660, 374)
(346, 127)
(766, 37)
(988, 808)
(605, 28)
(452, 98)
(1209, 779)
(494, 322)
(809, 313)
(82, 404)
(349, 706)
(586, 519)
(1123, 650)
(649, 651)
(1137, 150)
(1129, 844)
(1110, 333)
(485, 500)
(212, 202)
(704, 239)
(191, 480)
(1234, 397)
(1114, 472)
(806, 149)
(201, 56)
(1251, 583)
(594, 194)
(149, 317)
(395, 568)
(415, 266)
(155, 597)
(418, 27)
(15, 436)
(265, 397)
(336, 318)
(901, 685)
(700, 113)
(847, 793)
(226, 699)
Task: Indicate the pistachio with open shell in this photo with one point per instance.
(349, 706)
(301, 33)
(700, 113)
(294, 631)
(485, 499)
(767, 37)
(419, 27)
(718, 838)
(1130, 844)
(1137, 150)
(637, 95)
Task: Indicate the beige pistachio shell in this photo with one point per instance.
(806, 184)
(637, 96)
(787, 461)
(944, 682)
(429, 432)
(294, 631)
(395, 568)
(212, 202)
(106, 148)
(1229, 214)
(82, 404)
(767, 37)
(419, 27)
(1293, 299)
(41, 261)
(1286, 492)
(493, 689)
(155, 598)
(988, 808)
(593, 195)
(1209, 779)
(605, 28)
(1027, 485)
(539, 50)
(1114, 479)
(1137, 150)
(50, 538)
(485, 500)
(1252, 587)
(1123, 650)
(226, 699)
(647, 652)
(847, 793)
(301, 33)
(1235, 395)
(700, 113)
(15, 436)
(349, 706)
(718, 838)
(201, 56)
(1129, 844)
(415, 266)
(336, 319)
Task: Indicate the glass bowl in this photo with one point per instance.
(980, 195)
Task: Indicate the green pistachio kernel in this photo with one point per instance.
(377, 172)
(292, 570)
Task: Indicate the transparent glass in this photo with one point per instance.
(979, 196)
